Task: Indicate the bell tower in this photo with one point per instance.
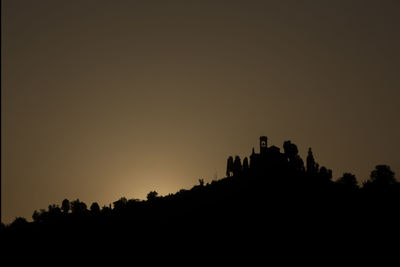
(263, 145)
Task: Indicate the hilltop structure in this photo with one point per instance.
(268, 156)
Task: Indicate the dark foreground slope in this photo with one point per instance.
(272, 206)
(271, 209)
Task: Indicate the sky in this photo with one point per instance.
(104, 99)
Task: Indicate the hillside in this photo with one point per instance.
(274, 197)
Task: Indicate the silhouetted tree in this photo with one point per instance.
(42, 212)
(65, 206)
(348, 180)
(105, 210)
(237, 166)
(40, 216)
(133, 201)
(382, 175)
(229, 166)
(201, 181)
(291, 154)
(325, 174)
(152, 195)
(36, 216)
(120, 204)
(312, 167)
(54, 207)
(298, 164)
(290, 150)
(95, 208)
(245, 164)
(78, 207)
(19, 222)
(54, 211)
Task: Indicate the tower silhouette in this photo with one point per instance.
(263, 145)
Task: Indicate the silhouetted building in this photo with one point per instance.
(268, 156)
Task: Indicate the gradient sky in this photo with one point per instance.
(104, 99)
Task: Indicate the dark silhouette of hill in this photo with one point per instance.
(273, 199)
